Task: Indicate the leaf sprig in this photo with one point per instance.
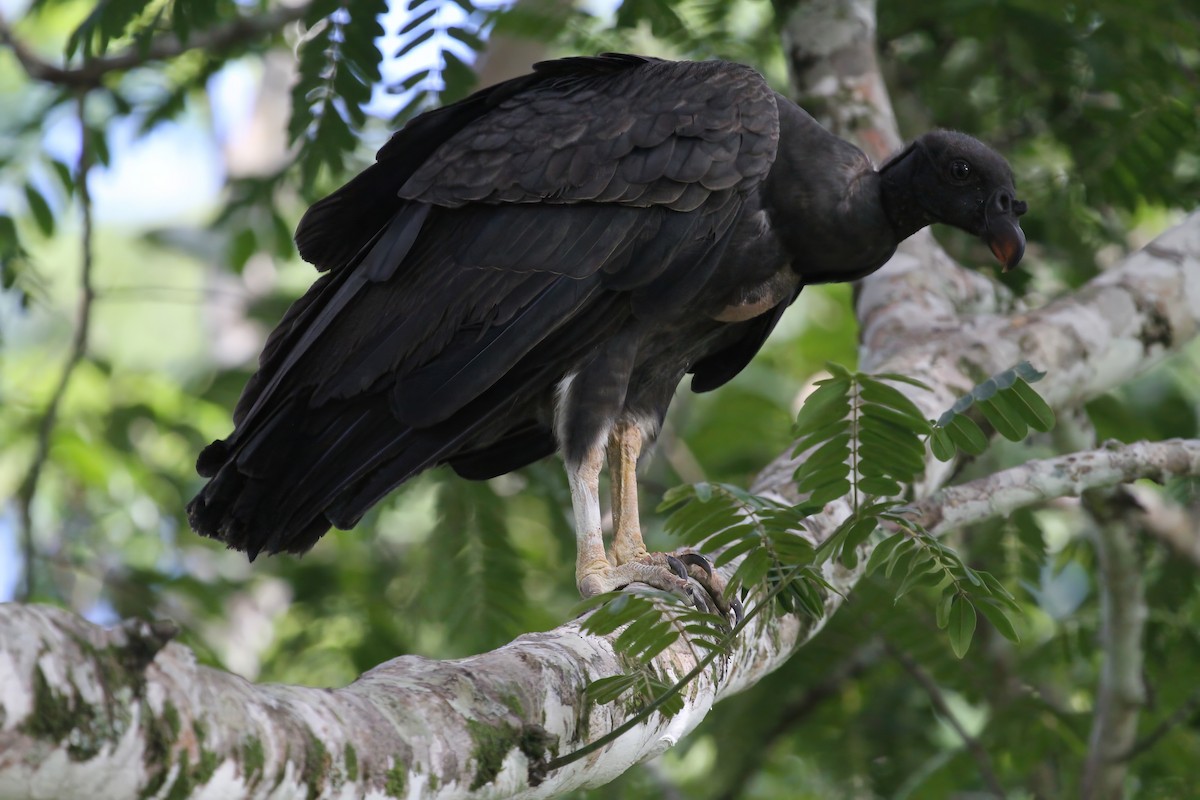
(339, 65)
(1006, 400)
(654, 621)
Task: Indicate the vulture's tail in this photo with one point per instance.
(306, 470)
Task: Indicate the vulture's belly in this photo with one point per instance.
(750, 301)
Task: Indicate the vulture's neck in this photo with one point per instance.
(839, 219)
(898, 193)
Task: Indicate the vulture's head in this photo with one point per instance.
(960, 181)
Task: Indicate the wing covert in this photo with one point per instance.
(663, 133)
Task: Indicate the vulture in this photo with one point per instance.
(536, 268)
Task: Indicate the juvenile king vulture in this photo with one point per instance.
(537, 267)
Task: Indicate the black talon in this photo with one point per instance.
(696, 601)
(738, 611)
(677, 567)
(697, 559)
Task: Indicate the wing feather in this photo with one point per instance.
(493, 244)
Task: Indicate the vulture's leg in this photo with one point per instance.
(624, 447)
(590, 560)
(634, 563)
(594, 573)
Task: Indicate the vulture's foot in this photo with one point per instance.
(689, 576)
(701, 571)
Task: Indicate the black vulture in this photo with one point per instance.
(537, 267)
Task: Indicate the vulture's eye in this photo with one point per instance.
(959, 170)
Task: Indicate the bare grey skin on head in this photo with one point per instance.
(535, 269)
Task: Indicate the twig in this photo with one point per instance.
(92, 72)
(1182, 714)
(79, 343)
(1001, 493)
(1169, 522)
(798, 710)
(982, 760)
(1121, 692)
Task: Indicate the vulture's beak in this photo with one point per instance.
(1003, 234)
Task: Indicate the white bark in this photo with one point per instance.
(115, 714)
(999, 494)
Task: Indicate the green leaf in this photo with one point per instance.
(605, 690)
(900, 435)
(834, 451)
(734, 550)
(998, 617)
(829, 492)
(905, 552)
(967, 435)
(884, 550)
(875, 391)
(896, 377)
(1004, 417)
(1026, 372)
(879, 487)
(899, 462)
(1032, 407)
(65, 177)
(828, 404)
(961, 625)
(418, 21)
(859, 531)
(919, 568)
(811, 477)
(995, 589)
(942, 612)
(942, 445)
(753, 568)
(40, 210)
(243, 245)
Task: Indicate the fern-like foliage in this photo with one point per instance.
(915, 558)
(452, 36)
(134, 22)
(866, 443)
(1006, 400)
(108, 21)
(475, 577)
(775, 562)
(653, 620)
(339, 65)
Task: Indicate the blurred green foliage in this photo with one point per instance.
(1097, 105)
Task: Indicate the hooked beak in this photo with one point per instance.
(1003, 232)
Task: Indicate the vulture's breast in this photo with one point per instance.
(750, 301)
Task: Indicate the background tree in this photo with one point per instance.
(128, 332)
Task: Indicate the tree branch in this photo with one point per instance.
(165, 46)
(27, 491)
(834, 680)
(1186, 711)
(982, 760)
(1122, 691)
(1171, 523)
(120, 715)
(1001, 493)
